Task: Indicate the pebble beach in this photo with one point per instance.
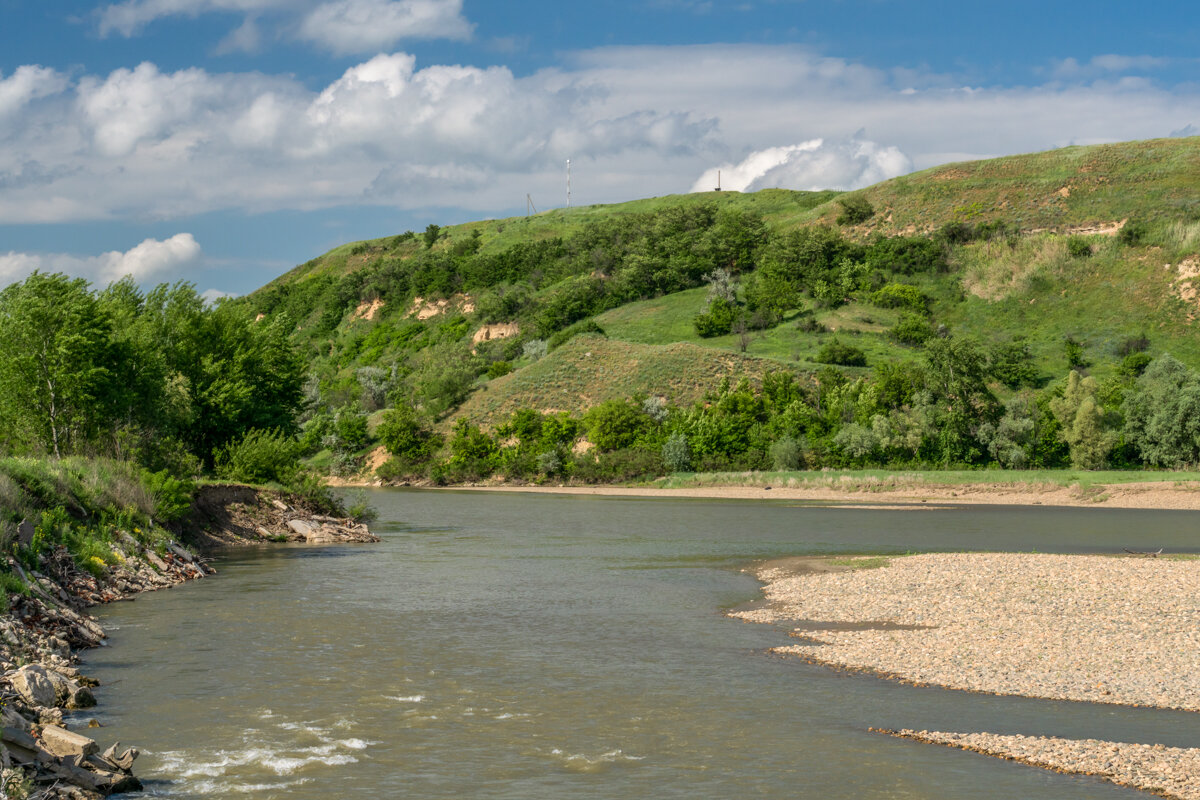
(1120, 630)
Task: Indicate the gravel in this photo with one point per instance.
(1089, 628)
(1167, 771)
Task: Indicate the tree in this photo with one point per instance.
(407, 435)
(55, 371)
(956, 378)
(1162, 414)
(1084, 423)
(856, 208)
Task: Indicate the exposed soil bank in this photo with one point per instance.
(41, 633)
(1084, 628)
(1146, 495)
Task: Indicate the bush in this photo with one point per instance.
(498, 369)
(1079, 246)
(901, 295)
(407, 436)
(856, 208)
(260, 456)
(614, 425)
(578, 329)
(912, 329)
(841, 354)
(1134, 364)
(1132, 232)
(786, 454)
(676, 454)
(907, 255)
(717, 321)
(549, 462)
(534, 349)
(1012, 364)
(808, 324)
(1133, 344)
(628, 464)
(172, 496)
(1074, 352)
(472, 452)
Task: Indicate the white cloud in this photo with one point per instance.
(26, 84)
(339, 26)
(150, 260)
(213, 295)
(365, 26)
(635, 121)
(1072, 69)
(129, 18)
(810, 166)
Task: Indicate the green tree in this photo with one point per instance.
(1084, 423)
(55, 372)
(956, 378)
(407, 435)
(1162, 414)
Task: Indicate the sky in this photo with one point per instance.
(222, 142)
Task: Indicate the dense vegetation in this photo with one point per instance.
(1028, 312)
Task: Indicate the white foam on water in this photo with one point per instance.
(416, 698)
(223, 787)
(581, 762)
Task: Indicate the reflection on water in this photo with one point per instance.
(520, 646)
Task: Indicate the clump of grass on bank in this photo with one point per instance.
(81, 504)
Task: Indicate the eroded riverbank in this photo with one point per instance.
(1116, 630)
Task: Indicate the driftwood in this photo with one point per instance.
(1147, 553)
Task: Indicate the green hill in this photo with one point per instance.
(1071, 258)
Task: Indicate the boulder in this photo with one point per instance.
(81, 697)
(301, 527)
(63, 743)
(25, 533)
(38, 686)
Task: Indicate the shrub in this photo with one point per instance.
(1074, 352)
(912, 329)
(676, 454)
(549, 462)
(534, 349)
(856, 208)
(786, 454)
(407, 436)
(841, 354)
(1079, 246)
(901, 295)
(808, 324)
(578, 329)
(472, 452)
(1132, 232)
(717, 321)
(907, 255)
(614, 425)
(1134, 364)
(260, 456)
(1133, 344)
(498, 369)
(1012, 364)
(627, 464)
(172, 496)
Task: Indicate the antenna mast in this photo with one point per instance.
(568, 183)
(529, 206)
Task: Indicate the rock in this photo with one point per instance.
(301, 527)
(157, 562)
(63, 743)
(37, 685)
(25, 533)
(81, 697)
(123, 761)
(280, 505)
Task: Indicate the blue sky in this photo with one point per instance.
(225, 141)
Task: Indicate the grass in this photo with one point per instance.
(590, 369)
(878, 480)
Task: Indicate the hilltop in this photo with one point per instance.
(1077, 258)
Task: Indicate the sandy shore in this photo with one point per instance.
(1164, 771)
(1083, 628)
(1149, 494)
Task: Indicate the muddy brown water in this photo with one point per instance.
(530, 646)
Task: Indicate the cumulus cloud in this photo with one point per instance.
(150, 260)
(635, 122)
(364, 26)
(810, 166)
(339, 26)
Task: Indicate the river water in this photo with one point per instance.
(536, 646)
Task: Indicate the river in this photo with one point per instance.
(550, 646)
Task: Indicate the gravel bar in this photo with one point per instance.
(1062, 627)
(1166, 771)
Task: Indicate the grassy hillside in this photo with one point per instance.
(1073, 258)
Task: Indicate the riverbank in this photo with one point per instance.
(1173, 495)
(46, 624)
(1081, 628)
